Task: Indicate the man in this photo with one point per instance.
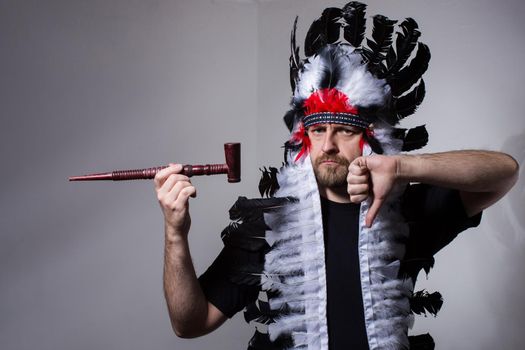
(331, 273)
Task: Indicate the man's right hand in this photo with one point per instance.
(173, 191)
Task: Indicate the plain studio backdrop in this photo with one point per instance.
(89, 86)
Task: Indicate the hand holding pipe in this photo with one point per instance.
(232, 152)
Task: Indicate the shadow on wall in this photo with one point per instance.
(506, 222)
(509, 220)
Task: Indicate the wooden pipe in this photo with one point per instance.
(232, 167)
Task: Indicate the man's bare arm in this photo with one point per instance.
(482, 177)
(191, 315)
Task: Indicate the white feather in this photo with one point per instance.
(385, 297)
(359, 85)
(298, 257)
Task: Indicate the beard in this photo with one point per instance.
(331, 176)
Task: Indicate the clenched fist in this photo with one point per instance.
(372, 176)
(173, 191)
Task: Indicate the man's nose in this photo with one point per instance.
(329, 144)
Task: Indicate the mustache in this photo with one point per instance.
(333, 158)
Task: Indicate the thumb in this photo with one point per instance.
(359, 162)
(358, 166)
(372, 211)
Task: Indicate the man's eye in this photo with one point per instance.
(347, 132)
(317, 130)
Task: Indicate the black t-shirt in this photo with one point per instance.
(345, 313)
(435, 216)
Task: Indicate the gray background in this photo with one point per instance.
(99, 85)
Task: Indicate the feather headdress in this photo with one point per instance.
(380, 81)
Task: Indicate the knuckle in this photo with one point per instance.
(178, 207)
(159, 174)
(189, 190)
(179, 186)
(354, 180)
(357, 198)
(355, 188)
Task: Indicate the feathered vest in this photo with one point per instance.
(291, 312)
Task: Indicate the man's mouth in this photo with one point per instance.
(330, 162)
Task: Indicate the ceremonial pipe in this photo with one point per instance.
(232, 167)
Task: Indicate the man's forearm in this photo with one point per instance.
(186, 302)
(473, 171)
(483, 177)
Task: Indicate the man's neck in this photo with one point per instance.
(335, 194)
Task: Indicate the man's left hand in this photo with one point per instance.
(372, 176)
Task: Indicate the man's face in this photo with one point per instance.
(333, 148)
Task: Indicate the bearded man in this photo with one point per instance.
(330, 260)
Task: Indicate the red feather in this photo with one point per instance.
(362, 142)
(328, 100)
(300, 137)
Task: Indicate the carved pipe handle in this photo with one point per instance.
(136, 174)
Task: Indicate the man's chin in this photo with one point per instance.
(331, 177)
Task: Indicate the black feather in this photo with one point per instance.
(405, 43)
(251, 312)
(354, 22)
(421, 342)
(382, 41)
(252, 209)
(262, 341)
(263, 313)
(239, 214)
(244, 277)
(274, 182)
(295, 61)
(399, 133)
(268, 183)
(248, 236)
(264, 182)
(406, 105)
(288, 149)
(289, 119)
(410, 267)
(391, 58)
(373, 143)
(415, 138)
(324, 30)
(401, 81)
(422, 302)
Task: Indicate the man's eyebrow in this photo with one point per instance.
(347, 127)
